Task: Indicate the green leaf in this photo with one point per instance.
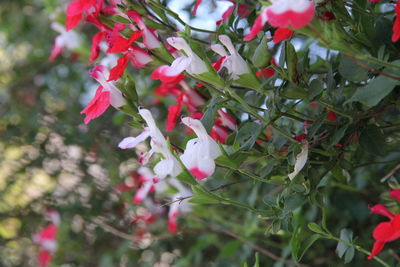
(315, 228)
(315, 88)
(257, 263)
(119, 19)
(229, 249)
(261, 56)
(247, 135)
(346, 235)
(209, 115)
(371, 94)
(372, 140)
(186, 178)
(351, 70)
(304, 246)
(202, 196)
(225, 161)
(349, 255)
(338, 135)
(294, 201)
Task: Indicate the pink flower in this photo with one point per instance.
(295, 13)
(258, 25)
(282, 34)
(200, 152)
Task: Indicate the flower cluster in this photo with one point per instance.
(46, 238)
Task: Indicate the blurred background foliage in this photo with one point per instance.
(50, 159)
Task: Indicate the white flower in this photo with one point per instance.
(168, 165)
(200, 152)
(235, 64)
(190, 62)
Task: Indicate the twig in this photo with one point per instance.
(180, 199)
(371, 69)
(112, 230)
(393, 171)
(263, 251)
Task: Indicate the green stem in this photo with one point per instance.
(357, 247)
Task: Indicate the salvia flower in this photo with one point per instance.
(147, 177)
(200, 152)
(258, 25)
(168, 165)
(69, 40)
(150, 40)
(107, 93)
(235, 64)
(385, 231)
(294, 13)
(190, 62)
(46, 238)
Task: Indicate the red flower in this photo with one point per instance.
(258, 25)
(173, 113)
(327, 16)
(95, 51)
(77, 8)
(282, 34)
(44, 257)
(196, 6)
(385, 231)
(97, 106)
(331, 116)
(396, 24)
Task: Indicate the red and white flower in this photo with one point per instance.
(69, 40)
(147, 177)
(190, 62)
(258, 25)
(235, 64)
(200, 152)
(46, 238)
(150, 40)
(76, 9)
(169, 164)
(105, 95)
(294, 13)
(176, 207)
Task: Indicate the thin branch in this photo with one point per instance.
(263, 251)
(393, 171)
(371, 69)
(180, 199)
